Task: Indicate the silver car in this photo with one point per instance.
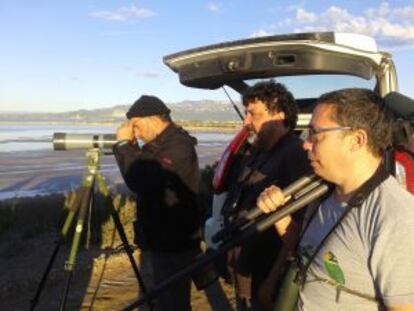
(309, 64)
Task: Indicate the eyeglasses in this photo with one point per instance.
(312, 132)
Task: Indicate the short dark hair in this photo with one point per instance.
(276, 97)
(362, 109)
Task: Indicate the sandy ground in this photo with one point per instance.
(101, 280)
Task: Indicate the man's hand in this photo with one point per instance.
(271, 199)
(125, 132)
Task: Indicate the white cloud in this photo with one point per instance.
(123, 14)
(213, 7)
(305, 17)
(334, 15)
(149, 74)
(294, 7)
(405, 13)
(391, 26)
(261, 33)
(382, 11)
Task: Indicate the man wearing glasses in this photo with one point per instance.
(276, 157)
(356, 250)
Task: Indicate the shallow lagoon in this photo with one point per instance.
(29, 166)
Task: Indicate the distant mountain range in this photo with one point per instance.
(202, 111)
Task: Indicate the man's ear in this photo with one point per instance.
(154, 121)
(279, 115)
(359, 139)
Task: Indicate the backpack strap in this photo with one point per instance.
(356, 201)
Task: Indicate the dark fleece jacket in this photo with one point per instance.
(164, 175)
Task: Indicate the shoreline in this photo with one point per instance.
(31, 167)
(230, 127)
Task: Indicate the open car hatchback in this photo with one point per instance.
(308, 64)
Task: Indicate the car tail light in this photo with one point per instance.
(222, 170)
(404, 169)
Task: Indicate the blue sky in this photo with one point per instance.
(84, 54)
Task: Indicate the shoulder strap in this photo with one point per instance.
(356, 201)
(311, 209)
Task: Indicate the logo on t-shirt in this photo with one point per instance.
(333, 269)
(330, 263)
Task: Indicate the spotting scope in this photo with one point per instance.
(74, 141)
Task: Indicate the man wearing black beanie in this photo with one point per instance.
(164, 176)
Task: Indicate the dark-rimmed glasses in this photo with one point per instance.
(312, 132)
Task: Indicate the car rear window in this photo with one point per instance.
(312, 86)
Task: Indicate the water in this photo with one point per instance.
(39, 137)
(29, 166)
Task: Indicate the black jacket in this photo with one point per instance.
(164, 175)
(283, 164)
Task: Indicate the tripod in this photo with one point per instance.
(82, 207)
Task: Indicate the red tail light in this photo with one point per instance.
(404, 169)
(221, 173)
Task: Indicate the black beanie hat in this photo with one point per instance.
(146, 106)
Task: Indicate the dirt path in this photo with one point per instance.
(101, 281)
(114, 283)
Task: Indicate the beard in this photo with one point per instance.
(269, 134)
(252, 137)
(265, 140)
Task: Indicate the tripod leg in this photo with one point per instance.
(65, 228)
(70, 264)
(128, 249)
(66, 291)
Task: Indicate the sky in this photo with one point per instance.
(86, 54)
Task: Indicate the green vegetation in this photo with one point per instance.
(229, 125)
(29, 217)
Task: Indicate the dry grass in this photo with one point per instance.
(29, 217)
(103, 278)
